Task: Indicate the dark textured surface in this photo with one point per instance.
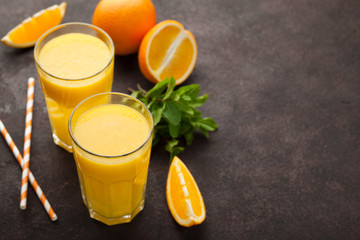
(284, 85)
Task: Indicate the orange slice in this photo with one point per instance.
(28, 32)
(183, 195)
(167, 50)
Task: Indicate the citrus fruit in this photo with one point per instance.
(183, 195)
(125, 21)
(167, 50)
(28, 32)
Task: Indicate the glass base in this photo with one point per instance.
(60, 143)
(117, 220)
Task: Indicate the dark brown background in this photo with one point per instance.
(283, 80)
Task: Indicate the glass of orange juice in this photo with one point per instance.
(111, 137)
(73, 61)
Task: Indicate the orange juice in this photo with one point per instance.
(111, 130)
(111, 146)
(71, 67)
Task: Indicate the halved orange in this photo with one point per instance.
(167, 50)
(183, 196)
(28, 32)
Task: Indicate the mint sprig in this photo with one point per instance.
(175, 114)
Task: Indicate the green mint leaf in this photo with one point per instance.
(158, 89)
(172, 113)
(189, 111)
(204, 131)
(143, 100)
(199, 101)
(194, 119)
(173, 149)
(189, 136)
(170, 145)
(185, 107)
(186, 98)
(208, 124)
(135, 94)
(192, 90)
(170, 88)
(157, 109)
(185, 127)
(205, 125)
(174, 130)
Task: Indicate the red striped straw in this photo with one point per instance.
(27, 142)
(32, 179)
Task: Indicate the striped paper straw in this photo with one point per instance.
(32, 179)
(27, 143)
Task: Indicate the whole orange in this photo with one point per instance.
(125, 21)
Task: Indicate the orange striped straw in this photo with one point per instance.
(32, 179)
(27, 142)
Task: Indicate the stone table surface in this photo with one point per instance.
(284, 84)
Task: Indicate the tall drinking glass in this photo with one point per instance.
(111, 137)
(73, 61)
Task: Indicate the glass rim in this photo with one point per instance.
(44, 35)
(112, 156)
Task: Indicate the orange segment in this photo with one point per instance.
(167, 50)
(28, 32)
(184, 198)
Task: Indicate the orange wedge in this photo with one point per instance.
(28, 32)
(167, 50)
(183, 195)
